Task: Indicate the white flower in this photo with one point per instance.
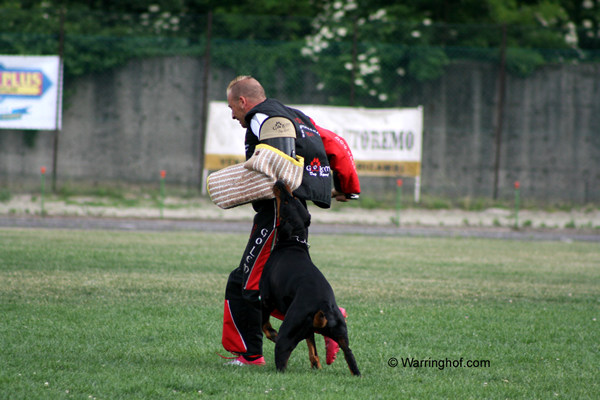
(416, 34)
(359, 82)
(326, 33)
(348, 66)
(571, 36)
(153, 8)
(383, 97)
(379, 15)
(342, 31)
(427, 22)
(351, 5)
(338, 15)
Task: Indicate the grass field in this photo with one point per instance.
(121, 315)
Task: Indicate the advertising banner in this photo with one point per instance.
(384, 142)
(30, 92)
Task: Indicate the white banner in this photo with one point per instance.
(383, 141)
(30, 92)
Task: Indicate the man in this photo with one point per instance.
(291, 131)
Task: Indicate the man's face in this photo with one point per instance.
(237, 109)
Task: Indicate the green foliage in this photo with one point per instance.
(426, 63)
(5, 195)
(29, 137)
(373, 49)
(522, 62)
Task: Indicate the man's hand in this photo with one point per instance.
(343, 196)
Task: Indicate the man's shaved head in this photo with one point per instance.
(243, 93)
(248, 87)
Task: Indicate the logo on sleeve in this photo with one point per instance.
(316, 169)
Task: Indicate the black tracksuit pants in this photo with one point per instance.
(242, 333)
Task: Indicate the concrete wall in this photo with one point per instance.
(124, 126)
(550, 136)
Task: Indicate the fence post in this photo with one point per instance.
(500, 109)
(398, 201)
(163, 173)
(61, 51)
(517, 201)
(205, 80)
(43, 188)
(354, 66)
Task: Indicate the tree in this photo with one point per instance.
(372, 50)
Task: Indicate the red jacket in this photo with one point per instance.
(341, 161)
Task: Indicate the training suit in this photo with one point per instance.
(242, 332)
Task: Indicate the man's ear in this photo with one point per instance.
(243, 102)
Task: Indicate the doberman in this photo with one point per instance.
(294, 286)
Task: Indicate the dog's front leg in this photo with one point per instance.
(283, 349)
(312, 351)
(267, 328)
(269, 332)
(348, 355)
(290, 334)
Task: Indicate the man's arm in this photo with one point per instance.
(341, 160)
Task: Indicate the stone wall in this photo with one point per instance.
(126, 125)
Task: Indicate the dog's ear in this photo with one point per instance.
(306, 217)
(277, 187)
(285, 229)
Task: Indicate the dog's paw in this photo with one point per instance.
(315, 363)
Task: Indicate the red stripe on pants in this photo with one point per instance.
(256, 273)
(232, 339)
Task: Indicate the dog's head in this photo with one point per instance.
(292, 215)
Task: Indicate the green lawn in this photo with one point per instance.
(121, 315)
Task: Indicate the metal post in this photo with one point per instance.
(163, 173)
(205, 80)
(517, 201)
(61, 50)
(500, 109)
(398, 200)
(354, 66)
(43, 188)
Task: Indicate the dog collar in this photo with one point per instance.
(301, 240)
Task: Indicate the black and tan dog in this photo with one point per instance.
(293, 285)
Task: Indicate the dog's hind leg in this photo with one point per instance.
(312, 352)
(343, 342)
